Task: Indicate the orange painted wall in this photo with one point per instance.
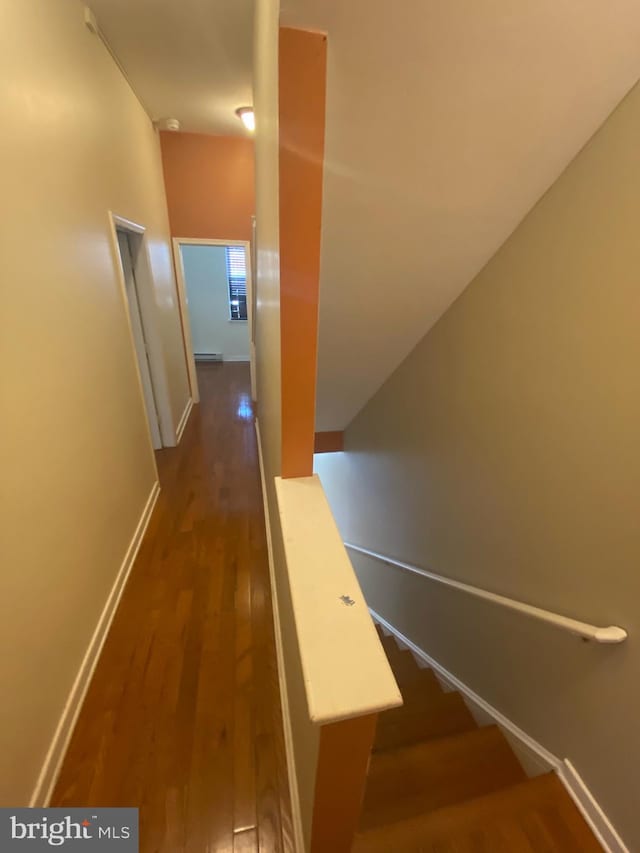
(209, 182)
(329, 442)
(302, 85)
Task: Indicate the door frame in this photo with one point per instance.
(184, 302)
(148, 310)
(127, 251)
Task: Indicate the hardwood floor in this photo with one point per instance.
(182, 717)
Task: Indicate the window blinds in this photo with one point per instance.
(237, 275)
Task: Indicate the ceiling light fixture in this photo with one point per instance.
(167, 124)
(246, 116)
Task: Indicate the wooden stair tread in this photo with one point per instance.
(423, 692)
(439, 784)
(404, 665)
(446, 715)
(529, 817)
(407, 672)
(390, 645)
(414, 681)
(405, 782)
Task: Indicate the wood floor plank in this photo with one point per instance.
(246, 841)
(244, 769)
(182, 717)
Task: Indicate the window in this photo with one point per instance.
(237, 276)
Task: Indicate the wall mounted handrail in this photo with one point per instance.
(610, 634)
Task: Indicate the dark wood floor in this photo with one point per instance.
(182, 718)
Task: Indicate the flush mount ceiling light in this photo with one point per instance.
(246, 116)
(167, 124)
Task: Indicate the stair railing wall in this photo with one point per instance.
(345, 672)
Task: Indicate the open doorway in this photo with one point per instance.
(137, 285)
(214, 287)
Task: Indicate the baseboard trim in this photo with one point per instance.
(183, 420)
(53, 761)
(296, 817)
(534, 757)
(219, 358)
(602, 827)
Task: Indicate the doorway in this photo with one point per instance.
(139, 338)
(137, 284)
(215, 293)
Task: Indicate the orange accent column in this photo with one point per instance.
(302, 67)
(341, 777)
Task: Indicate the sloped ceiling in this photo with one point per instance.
(186, 59)
(446, 122)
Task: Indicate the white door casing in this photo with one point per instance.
(137, 328)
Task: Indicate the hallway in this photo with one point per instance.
(182, 718)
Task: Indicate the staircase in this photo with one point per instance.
(438, 782)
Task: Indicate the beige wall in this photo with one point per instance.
(504, 452)
(302, 738)
(76, 462)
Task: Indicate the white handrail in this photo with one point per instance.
(611, 634)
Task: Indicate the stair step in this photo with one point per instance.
(446, 715)
(407, 672)
(389, 643)
(405, 667)
(422, 692)
(403, 783)
(532, 816)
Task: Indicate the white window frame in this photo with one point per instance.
(246, 273)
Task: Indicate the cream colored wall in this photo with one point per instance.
(77, 467)
(302, 738)
(504, 452)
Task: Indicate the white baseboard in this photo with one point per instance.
(535, 759)
(296, 816)
(183, 420)
(218, 357)
(602, 827)
(55, 755)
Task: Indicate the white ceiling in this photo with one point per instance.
(446, 121)
(186, 59)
